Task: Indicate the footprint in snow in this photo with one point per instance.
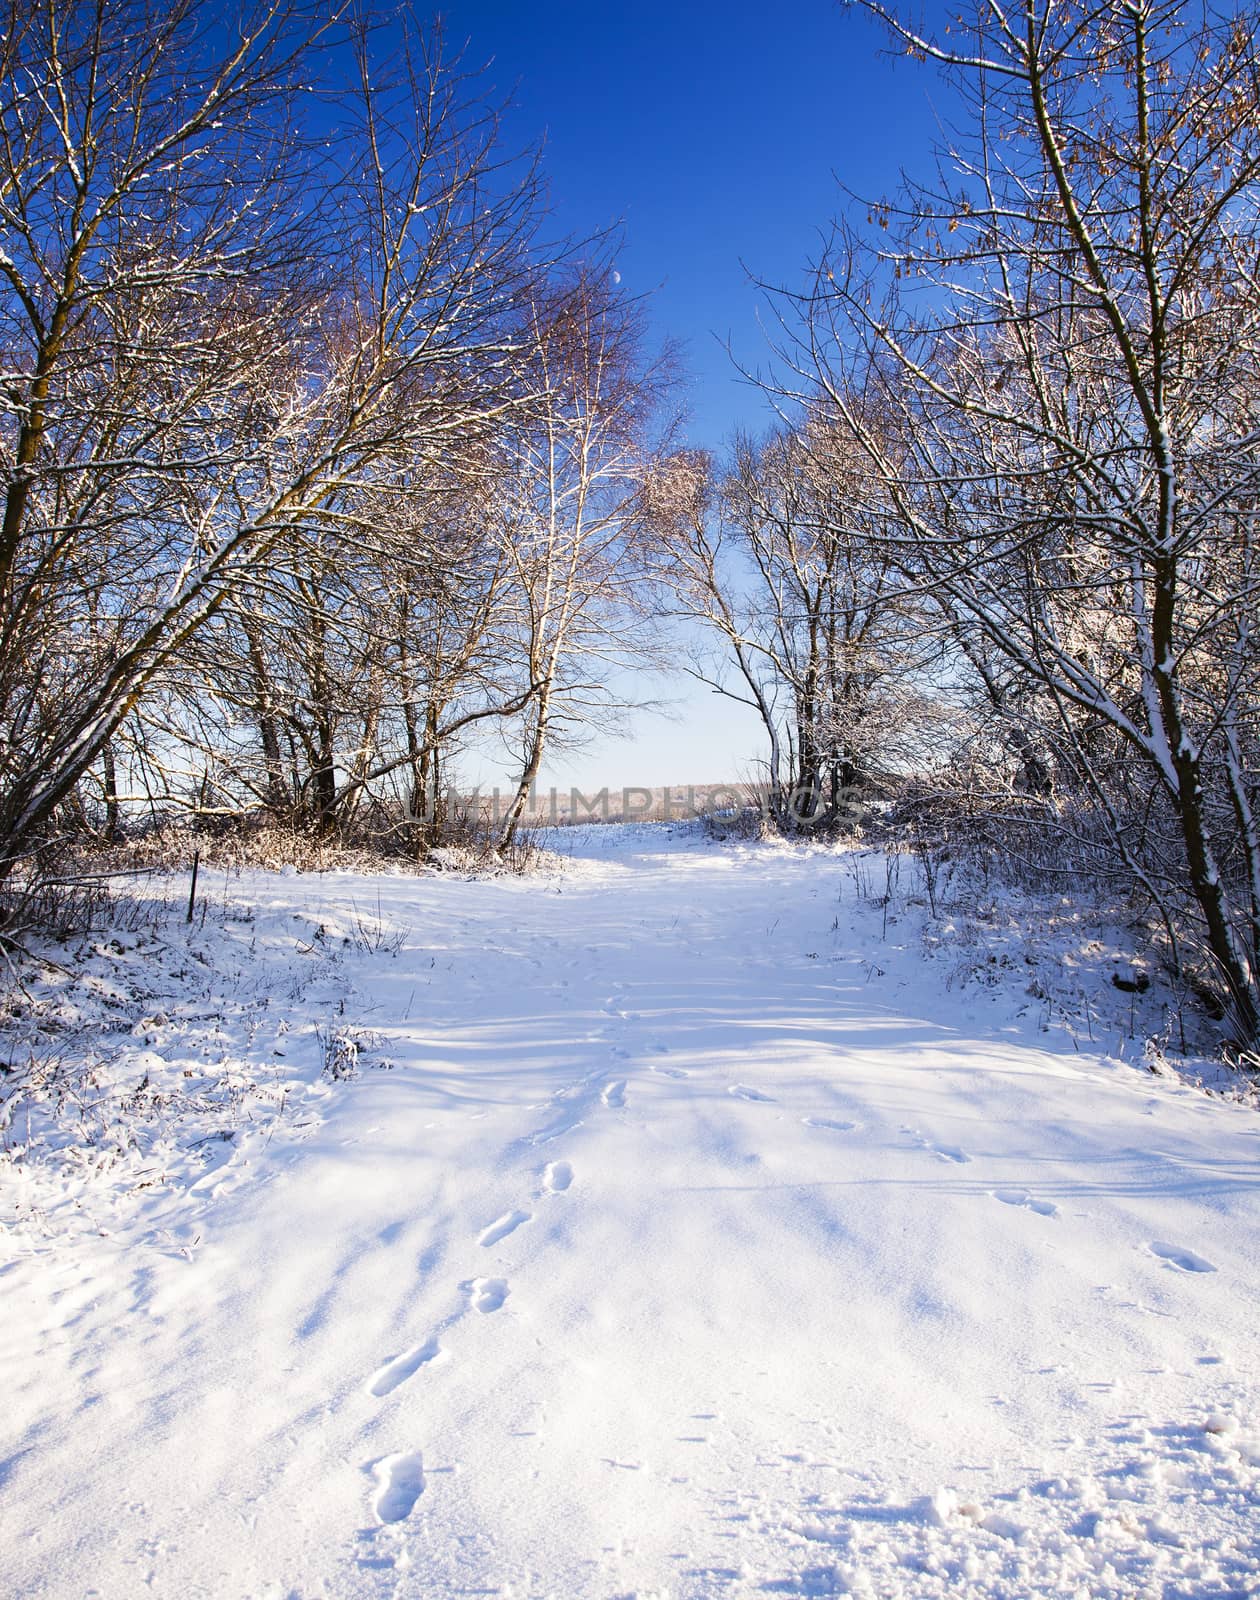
(1175, 1256)
(615, 1094)
(832, 1124)
(400, 1483)
(557, 1130)
(557, 1176)
(741, 1091)
(485, 1294)
(1021, 1197)
(509, 1222)
(945, 1152)
(950, 1152)
(405, 1366)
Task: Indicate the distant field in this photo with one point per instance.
(668, 803)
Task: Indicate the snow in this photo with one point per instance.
(662, 1227)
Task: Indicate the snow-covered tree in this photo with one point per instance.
(1062, 333)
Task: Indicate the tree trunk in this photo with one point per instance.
(529, 774)
(111, 793)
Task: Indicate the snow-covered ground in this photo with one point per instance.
(678, 1230)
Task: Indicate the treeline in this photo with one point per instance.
(320, 456)
(318, 450)
(1007, 537)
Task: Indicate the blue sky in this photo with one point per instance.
(715, 135)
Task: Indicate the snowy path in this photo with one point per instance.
(693, 1246)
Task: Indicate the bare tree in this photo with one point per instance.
(127, 257)
(785, 562)
(572, 503)
(213, 342)
(1064, 330)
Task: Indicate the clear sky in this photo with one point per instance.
(715, 135)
